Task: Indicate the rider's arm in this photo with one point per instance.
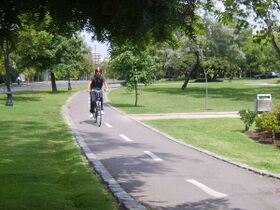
(89, 86)
(106, 86)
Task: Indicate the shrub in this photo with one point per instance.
(247, 117)
(268, 122)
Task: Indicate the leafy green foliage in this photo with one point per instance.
(266, 17)
(260, 56)
(29, 73)
(134, 65)
(216, 67)
(111, 20)
(270, 121)
(44, 50)
(247, 117)
(69, 57)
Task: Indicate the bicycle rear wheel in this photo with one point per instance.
(98, 115)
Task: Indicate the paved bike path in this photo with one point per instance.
(162, 174)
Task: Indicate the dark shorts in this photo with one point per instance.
(93, 96)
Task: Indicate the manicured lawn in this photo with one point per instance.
(223, 137)
(41, 167)
(167, 97)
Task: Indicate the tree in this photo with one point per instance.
(176, 61)
(222, 52)
(266, 16)
(2, 70)
(216, 68)
(6, 47)
(107, 19)
(87, 64)
(107, 70)
(110, 20)
(69, 57)
(136, 66)
(41, 47)
(37, 49)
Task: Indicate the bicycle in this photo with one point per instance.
(98, 96)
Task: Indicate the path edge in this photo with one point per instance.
(126, 201)
(219, 157)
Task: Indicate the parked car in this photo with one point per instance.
(267, 75)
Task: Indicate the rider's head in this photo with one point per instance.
(98, 71)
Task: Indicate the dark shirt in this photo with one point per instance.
(97, 82)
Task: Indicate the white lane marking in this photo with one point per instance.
(108, 125)
(153, 156)
(125, 138)
(206, 189)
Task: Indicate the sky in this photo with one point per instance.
(100, 47)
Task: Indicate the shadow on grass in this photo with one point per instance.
(40, 166)
(122, 105)
(32, 135)
(35, 92)
(30, 95)
(234, 94)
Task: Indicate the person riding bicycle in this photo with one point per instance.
(96, 82)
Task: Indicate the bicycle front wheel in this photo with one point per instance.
(98, 116)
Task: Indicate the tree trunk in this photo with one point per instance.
(136, 93)
(272, 36)
(54, 88)
(6, 54)
(194, 69)
(2, 77)
(274, 43)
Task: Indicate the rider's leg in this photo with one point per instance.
(102, 103)
(92, 103)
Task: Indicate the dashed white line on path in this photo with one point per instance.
(108, 125)
(125, 138)
(206, 189)
(153, 156)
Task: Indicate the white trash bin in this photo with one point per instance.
(264, 103)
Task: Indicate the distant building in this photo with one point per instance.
(97, 57)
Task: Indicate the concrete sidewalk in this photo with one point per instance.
(190, 115)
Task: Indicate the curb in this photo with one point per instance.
(126, 201)
(227, 160)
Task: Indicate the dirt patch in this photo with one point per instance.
(264, 137)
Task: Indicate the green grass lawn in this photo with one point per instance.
(167, 97)
(224, 137)
(221, 136)
(41, 166)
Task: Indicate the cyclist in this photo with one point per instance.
(97, 82)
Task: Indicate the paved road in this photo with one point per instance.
(41, 85)
(162, 174)
(47, 85)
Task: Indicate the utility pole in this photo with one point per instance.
(95, 56)
(206, 82)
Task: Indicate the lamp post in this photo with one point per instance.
(69, 82)
(95, 56)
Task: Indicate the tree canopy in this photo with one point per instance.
(110, 20)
